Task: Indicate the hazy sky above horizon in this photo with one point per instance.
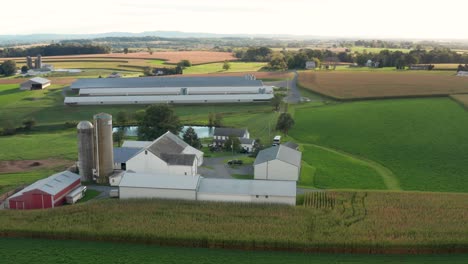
(340, 18)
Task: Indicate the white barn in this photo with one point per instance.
(247, 191)
(167, 154)
(145, 185)
(36, 83)
(278, 163)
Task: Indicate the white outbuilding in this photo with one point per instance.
(145, 185)
(247, 191)
(278, 163)
(36, 83)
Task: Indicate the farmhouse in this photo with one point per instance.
(145, 185)
(221, 134)
(278, 163)
(247, 144)
(185, 90)
(167, 154)
(36, 83)
(45, 193)
(247, 191)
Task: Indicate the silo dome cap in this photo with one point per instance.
(84, 125)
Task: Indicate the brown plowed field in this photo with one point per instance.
(461, 98)
(196, 57)
(374, 85)
(60, 81)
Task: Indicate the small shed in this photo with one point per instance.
(247, 191)
(36, 83)
(278, 163)
(145, 185)
(46, 193)
(247, 144)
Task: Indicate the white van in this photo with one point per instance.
(276, 140)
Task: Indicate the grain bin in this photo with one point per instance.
(103, 147)
(86, 162)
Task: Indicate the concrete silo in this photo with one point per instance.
(104, 148)
(86, 161)
(38, 61)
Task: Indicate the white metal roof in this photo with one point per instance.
(39, 80)
(247, 187)
(280, 152)
(52, 184)
(175, 90)
(175, 81)
(136, 144)
(181, 99)
(158, 181)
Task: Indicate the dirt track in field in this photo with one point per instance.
(12, 166)
(370, 85)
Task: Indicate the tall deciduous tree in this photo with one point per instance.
(226, 65)
(8, 67)
(121, 118)
(119, 136)
(157, 120)
(276, 101)
(232, 144)
(218, 120)
(285, 123)
(191, 137)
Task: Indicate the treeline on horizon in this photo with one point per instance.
(55, 50)
(297, 59)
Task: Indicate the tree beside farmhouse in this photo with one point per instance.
(157, 120)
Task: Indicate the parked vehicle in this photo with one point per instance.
(235, 162)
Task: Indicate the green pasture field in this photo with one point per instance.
(422, 142)
(22, 250)
(328, 170)
(218, 67)
(378, 222)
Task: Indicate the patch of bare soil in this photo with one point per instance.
(11, 166)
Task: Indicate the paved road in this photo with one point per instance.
(219, 169)
(294, 96)
(103, 189)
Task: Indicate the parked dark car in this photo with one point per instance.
(235, 162)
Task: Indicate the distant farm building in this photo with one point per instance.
(462, 73)
(46, 193)
(278, 163)
(310, 65)
(36, 83)
(174, 90)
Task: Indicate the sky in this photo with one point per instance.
(414, 19)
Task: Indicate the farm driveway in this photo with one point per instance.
(103, 189)
(214, 168)
(294, 96)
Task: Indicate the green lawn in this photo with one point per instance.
(332, 171)
(218, 67)
(423, 142)
(22, 250)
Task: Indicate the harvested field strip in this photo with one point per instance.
(371, 222)
(343, 85)
(196, 57)
(22, 250)
(12, 166)
(462, 99)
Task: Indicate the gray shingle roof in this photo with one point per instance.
(122, 155)
(246, 141)
(280, 152)
(142, 82)
(290, 144)
(169, 148)
(227, 131)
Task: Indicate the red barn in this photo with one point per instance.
(45, 193)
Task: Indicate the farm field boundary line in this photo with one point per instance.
(390, 180)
